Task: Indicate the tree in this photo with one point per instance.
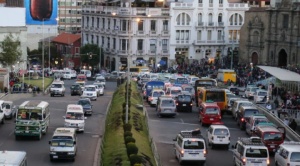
(90, 55)
(10, 50)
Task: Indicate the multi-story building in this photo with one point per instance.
(271, 36)
(69, 13)
(14, 3)
(204, 29)
(126, 33)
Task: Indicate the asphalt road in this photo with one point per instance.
(38, 151)
(164, 130)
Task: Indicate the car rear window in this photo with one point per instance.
(184, 98)
(250, 112)
(295, 157)
(167, 103)
(256, 153)
(262, 93)
(157, 94)
(272, 136)
(221, 132)
(212, 111)
(189, 144)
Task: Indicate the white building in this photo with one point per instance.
(13, 22)
(204, 29)
(69, 14)
(141, 33)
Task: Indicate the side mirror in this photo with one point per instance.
(49, 142)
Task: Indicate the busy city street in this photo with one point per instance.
(38, 150)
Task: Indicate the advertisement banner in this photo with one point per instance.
(39, 11)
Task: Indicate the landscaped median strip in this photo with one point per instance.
(126, 144)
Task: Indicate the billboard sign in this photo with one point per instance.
(39, 11)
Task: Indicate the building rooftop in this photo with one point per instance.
(66, 38)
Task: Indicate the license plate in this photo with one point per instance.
(55, 157)
(211, 119)
(221, 140)
(26, 131)
(89, 94)
(183, 104)
(167, 111)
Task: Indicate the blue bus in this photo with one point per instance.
(179, 81)
(153, 85)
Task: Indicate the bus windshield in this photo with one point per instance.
(272, 137)
(218, 96)
(62, 142)
(181, 81)
(256, 153)
(74, 116)
(29, 114)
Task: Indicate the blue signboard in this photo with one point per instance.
(41, 11)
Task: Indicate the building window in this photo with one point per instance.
(97, 40)
(219, 34)
(210, 18)
(209, 35)
(153, 25)
(114, 43)
(182, 34)
(108, 42)
(124, 25)
(164, 44)
(140, 44)
(102, 41)
(211, 1)
(124, 44)
(98, 22)
(77, 50)
(141, 26)
(88, 21)
(187, 35)
(236, 19)
(108, 23)
(220, 18)
(92, 39)
(183, 19)
(103, 23)
(199, 35)
(285, 21)
(165, 25)
(220, 2)
(177, 34)
(152, 44)
(199, 18)
(93, 21)
(87, 38)
(200, 1)
(115, 24)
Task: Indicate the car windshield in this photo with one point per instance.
(188, 89)
(56, 85)
(184, 98)
(250, 112)
(62, 142)
(84, 102)
(221, 132)
(260, 120)
(29, 114)
(74, 116)
(90, 89)
(295, 157)
(212, 111)
(256, 153)
(272, 136)
(253, 89)
(262, 94)
(158, 94)
(167, 103)
(175, 92)
(189, 144)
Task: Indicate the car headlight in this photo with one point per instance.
(71, 153)
(52, 152)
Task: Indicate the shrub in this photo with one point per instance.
(131, 149)
(127, 133)
(124, 105)
(129, 139)
(135, 160)
(124, 116)
(127, 127)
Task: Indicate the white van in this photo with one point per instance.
(250, 151)
(218, 134)
(74, 117)
(13, 158)
(63, 144)
(288, 153)
(190, 146)
(88, 73)
(7, 108)
(67, 74)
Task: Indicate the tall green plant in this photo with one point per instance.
(10, 50)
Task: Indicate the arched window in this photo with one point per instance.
(200, 18)
(220, 17)
(236, 19)
(210, 18)
(183, 19)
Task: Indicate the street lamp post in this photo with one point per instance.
(43, 52)
(99, 59)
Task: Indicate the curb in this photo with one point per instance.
(98, 147)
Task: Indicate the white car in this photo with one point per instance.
(100, 80)
(249, 92)
(152, 99)
(67, 74)
(100, 88)
(8, 109)
(90, 91)
(57, 88)
(218, 134)
(259, 96)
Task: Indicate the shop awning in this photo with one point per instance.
(281, 74)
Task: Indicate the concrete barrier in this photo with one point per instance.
(290, 134)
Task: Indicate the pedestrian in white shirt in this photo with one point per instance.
(286, 121)
(269, 106)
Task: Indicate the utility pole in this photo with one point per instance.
(232, 47)
(99, 59)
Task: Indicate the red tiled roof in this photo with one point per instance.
(66, 38)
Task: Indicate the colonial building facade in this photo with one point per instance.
(271, 36)
(205, 29)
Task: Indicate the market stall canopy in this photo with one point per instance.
(281, 74)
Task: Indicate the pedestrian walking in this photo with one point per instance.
(293, 125)
(286, 121)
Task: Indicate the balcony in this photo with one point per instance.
(200, 4)
(200, 24)
(151, 52)
(199, 42)
(153, 33)
(211, 41)
(221, 24)
(107, 49)
(139, 52)
(113, 51)
(220, 5)
(91, 28)
(164, 52)
(182, 41)
(107, 30)
(211, 24)
(140, 33)
(123, 52)
(211, 5)
(165, 33)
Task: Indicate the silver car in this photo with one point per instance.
(166, 106)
